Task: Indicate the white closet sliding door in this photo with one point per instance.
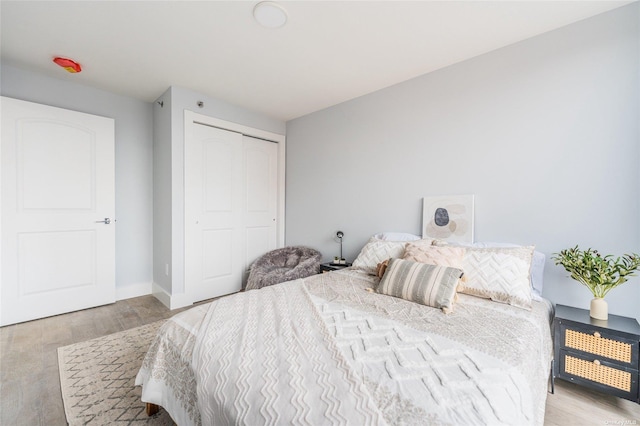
(231, 203)
(261, 189)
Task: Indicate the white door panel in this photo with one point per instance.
(261, 190)
(213, 212)
(67, 165)
(57, 183)
(219, 160)
(259, 240)
(231, 201)
(217, 249)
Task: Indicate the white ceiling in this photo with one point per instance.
(327, 53)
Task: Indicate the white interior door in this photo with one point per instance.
(57, 225)
(231, 200)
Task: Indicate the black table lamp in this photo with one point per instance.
(340, 234)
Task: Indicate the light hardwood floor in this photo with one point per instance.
(30, 384)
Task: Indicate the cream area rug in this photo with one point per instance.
(97, 379)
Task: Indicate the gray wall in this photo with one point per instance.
(544, 133)
(149, 168)
(133, 163)
(162, 191)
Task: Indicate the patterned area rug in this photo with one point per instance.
(97, 379)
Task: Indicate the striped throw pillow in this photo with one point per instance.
(422, 283)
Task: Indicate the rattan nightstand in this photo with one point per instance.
(599, 354)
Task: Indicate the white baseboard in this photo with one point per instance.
(133, 290)
(172, 302)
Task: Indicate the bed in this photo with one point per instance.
(331, 349)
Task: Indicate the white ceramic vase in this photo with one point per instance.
(599, 309)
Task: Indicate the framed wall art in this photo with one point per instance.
(448, 217)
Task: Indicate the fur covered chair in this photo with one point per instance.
(284, 264)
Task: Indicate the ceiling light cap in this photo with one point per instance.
(270, 14)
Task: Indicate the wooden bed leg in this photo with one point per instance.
(152, 409)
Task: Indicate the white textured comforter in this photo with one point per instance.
(325, 351)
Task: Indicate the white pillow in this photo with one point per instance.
(396, 236)
(376, 251)
(537, 263)
(501, 274)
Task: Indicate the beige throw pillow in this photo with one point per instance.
(442, 256)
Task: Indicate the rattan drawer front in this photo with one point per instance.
(600, 355)
(608, 376)
(612, 349)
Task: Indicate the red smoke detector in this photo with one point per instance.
(68, 64)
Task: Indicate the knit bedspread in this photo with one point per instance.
(323, 350)
(315, 352)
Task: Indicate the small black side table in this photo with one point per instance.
(602, 355)
(328, 267)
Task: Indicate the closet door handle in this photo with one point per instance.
(106, 221)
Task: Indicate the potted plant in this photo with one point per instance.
(598, 273)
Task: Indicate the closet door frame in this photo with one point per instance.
(193, 119)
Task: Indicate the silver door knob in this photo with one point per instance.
(106, 221)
